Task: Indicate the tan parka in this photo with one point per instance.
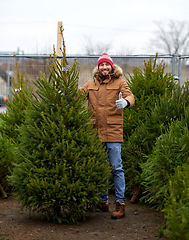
(102, 96)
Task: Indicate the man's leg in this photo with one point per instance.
(104, 206)
(114, 152)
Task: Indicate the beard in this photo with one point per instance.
(105, 73)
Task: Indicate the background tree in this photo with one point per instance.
(171, 37)
(10, 121)
(91, 47)
(147, 85)
(176, 209)
(125, 50)
(140, 144)
(15, 107)
(169, 151)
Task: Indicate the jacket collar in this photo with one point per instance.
(104, 79)
(116, 73)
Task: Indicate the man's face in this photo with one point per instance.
(105, 68)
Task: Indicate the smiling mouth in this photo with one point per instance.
(105, 72)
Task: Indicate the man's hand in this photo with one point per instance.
(121, 103)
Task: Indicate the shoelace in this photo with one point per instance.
(118, 207)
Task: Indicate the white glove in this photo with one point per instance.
(121, 103)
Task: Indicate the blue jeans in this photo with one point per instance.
(114, 154)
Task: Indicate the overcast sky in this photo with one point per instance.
(128, 25)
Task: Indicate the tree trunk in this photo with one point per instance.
(136, 195)
(3, 192)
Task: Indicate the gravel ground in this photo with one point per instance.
(140, 222)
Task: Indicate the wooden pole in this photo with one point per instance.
(59, 41)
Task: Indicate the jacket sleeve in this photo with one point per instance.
(84, 88)
(127, 94)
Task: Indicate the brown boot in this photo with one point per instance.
(104, 206)
(119, 211)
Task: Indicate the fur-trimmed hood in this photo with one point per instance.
(117, 71)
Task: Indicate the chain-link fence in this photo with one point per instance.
(32, 65)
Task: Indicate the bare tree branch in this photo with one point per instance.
(92, 48)
(171, 38)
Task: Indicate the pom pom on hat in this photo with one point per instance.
(105, 58)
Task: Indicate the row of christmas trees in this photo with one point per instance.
(58, 159)
(155, 153)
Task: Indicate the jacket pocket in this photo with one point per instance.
(94, 88)
(117, 120)
(112, 87)
(112, 94)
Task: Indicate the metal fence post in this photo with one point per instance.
(173, 64)
(8, 77)
(179, 70)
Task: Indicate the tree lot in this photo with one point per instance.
(57, 156)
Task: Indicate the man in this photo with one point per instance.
(108, 95)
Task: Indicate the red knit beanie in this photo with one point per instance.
(105, 58)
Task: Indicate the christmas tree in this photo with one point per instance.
(11, 120)
(16, 106)
(60, 166)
